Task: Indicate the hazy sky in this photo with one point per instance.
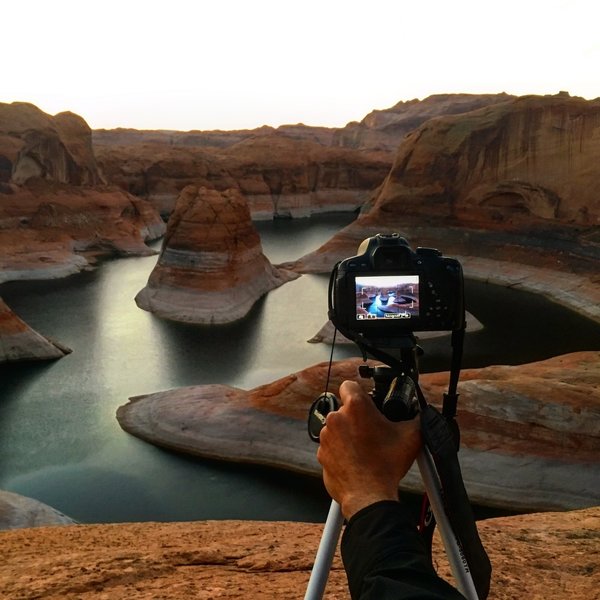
(226, 64)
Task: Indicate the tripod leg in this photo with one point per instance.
(458, 563)
(324, 558)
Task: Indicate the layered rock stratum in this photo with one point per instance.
(291, 171)
(538, 556)
(530, 433)
(279, 176)
(19, 342)
(211, 268)
(57, 215)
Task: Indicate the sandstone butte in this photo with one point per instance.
(211, 268)
(291, 171)
(537, 556)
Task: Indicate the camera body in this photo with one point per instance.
(388, 290)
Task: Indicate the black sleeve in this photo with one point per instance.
(385, 558)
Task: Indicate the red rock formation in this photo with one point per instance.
(278, 174)
(18, 342)
(289, 171)
(529, 433)
(513, 182)
(56, 213)
(211, 267)
(385, 129)
(538, 556)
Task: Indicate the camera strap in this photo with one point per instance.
(440, 441)
(441, 436)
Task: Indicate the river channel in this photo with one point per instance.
(61, 443)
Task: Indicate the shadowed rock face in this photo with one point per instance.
(18, 512)
(211, 267)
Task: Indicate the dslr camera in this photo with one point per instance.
(388, 291)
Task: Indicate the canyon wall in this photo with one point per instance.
(211, 268)
(280, 176)
(57, 215)
(290, 171)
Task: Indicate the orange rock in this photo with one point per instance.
(540, 555)
(530, 438)
(211, 267)
(56, 213)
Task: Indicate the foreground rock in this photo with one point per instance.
(530, 433)
(532, 555)
(56, 213)
(211, 268)
(19, 342)
(18, 511)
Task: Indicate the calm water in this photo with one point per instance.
(59, 438)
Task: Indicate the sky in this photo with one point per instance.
(241, 64)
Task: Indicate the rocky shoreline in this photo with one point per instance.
(525, 445)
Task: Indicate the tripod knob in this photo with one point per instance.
(321, 407)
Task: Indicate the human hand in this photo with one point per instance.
(363, 454)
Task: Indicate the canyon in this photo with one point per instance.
(505, 184)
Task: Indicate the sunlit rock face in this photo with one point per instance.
(211, 268)
(56, 213)
(18, 342)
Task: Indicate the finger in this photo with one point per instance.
(350, 390)
(354, 398)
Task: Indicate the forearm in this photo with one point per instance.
(384, 557)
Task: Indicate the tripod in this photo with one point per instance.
(397, 395)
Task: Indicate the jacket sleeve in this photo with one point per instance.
(385, 558)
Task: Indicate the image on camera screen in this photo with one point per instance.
(387, 297)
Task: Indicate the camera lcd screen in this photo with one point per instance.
(380, 297)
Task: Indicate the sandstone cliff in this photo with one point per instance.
(535, 556)
(385, 129)
(530, 433)
(281, 176)
(56, 213)
(512, 182)
(211, 268)
(19, 342)
(294, 170)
